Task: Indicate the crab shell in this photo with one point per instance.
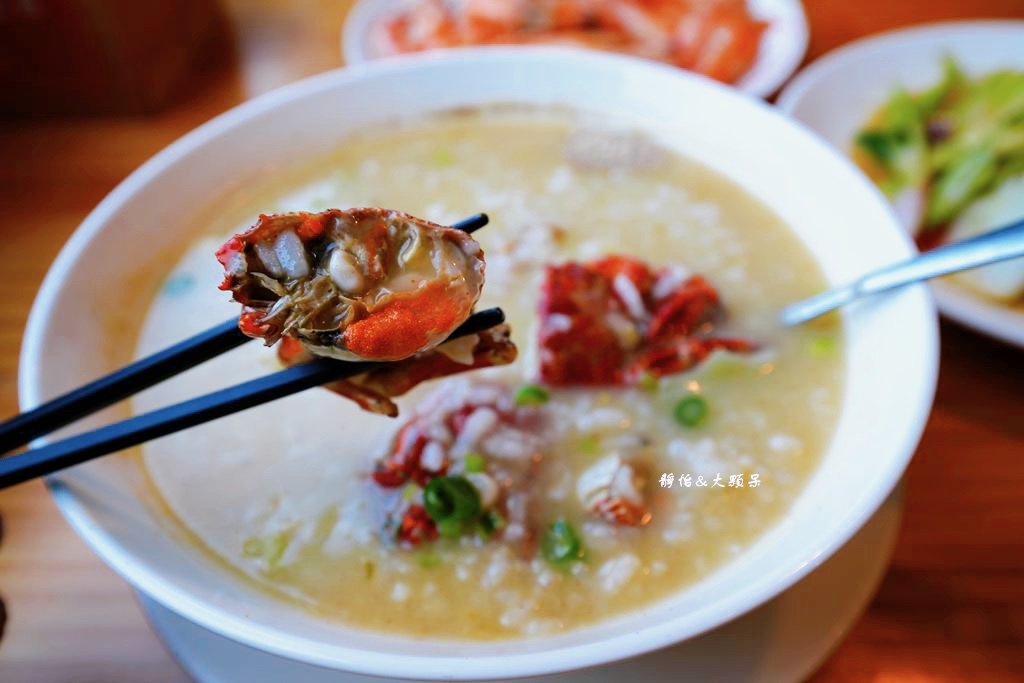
(360, 284)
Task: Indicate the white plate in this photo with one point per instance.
(837, 93)
(800, 639)
(782, 46)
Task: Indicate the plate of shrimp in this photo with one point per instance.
(754, 45)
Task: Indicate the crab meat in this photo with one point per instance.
(374, 390)
(459, 420)
(611, 489)
(362, 284)
(413, 525)
(615, 321)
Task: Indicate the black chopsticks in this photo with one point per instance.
(47, 459)
(156, 368)
(119, 385)
(137, 376)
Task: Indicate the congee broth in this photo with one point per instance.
(595, 493)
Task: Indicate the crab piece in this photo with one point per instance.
(676, 357)
(427, 445)
(412, 525)
(466, 420)
(407, 462)
(615, 321)
(684, 312)
(611, 489)
(374, 390)
(578, 345)
(361, 284)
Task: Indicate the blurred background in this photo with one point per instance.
(89, 89)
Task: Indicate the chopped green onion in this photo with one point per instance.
(451, 527)
(428, 560)
(532, 395)
(452, 498)
(590, 445)
(648, 383)
(475, 462)
(269, 548)
(561, 544)
(691, 411)
(822, 346)
(409, 492)
(443, 158)
(491, 522)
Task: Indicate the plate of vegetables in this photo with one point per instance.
(935, 117)
(754, 45)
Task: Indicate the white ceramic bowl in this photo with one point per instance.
(782, 46)
(891, 343)
(837, 93)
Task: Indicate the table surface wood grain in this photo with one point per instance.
(951, 607)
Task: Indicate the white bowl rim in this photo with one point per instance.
(953, 301)
(766, 76)
(504, 666)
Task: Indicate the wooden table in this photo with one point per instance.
(951, 607)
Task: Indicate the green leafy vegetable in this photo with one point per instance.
(960, 184)
(955, 142)
(952, 83)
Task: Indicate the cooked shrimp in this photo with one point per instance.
(362, 284)
(718, 38)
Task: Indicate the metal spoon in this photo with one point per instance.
(992, 247)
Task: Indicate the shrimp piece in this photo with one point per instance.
(426, 24)
(361, 284)
(611, 489)
(484, 21)
(374, 390)
(719, 39)
(648, 31)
